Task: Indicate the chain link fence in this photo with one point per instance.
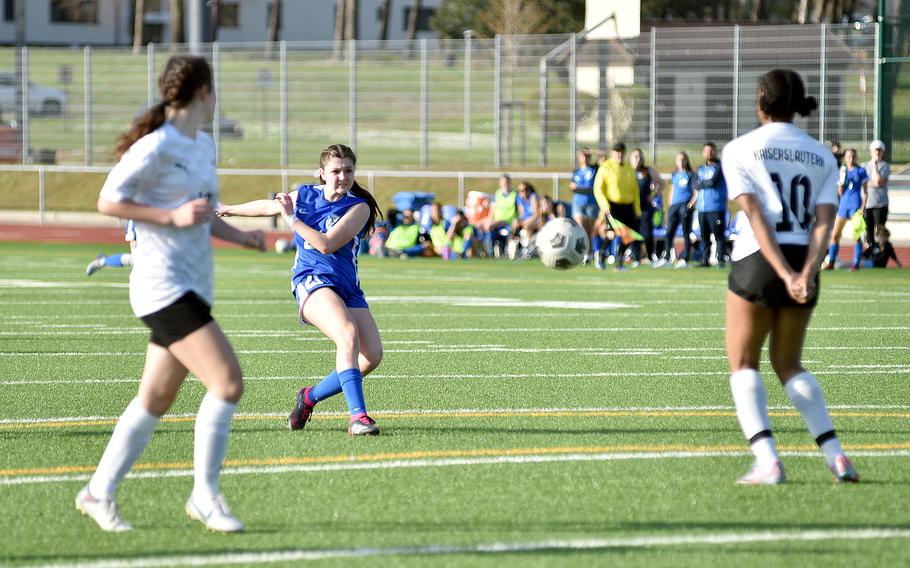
(503, 103)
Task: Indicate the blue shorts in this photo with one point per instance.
(848, 207)
(349, 292)
(585, 204)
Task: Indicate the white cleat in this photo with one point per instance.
(95, 265)
(102, 511)
(217, 519)
(761, 474)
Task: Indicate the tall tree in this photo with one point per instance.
(138, 24)
(274, 20)
(215, 17)
(385, 9)
(413, 18)
(514, 17)
(176, 24)
(351, 30)
(759, 10)
(453, 17)
(802, 14)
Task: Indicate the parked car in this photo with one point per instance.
(228, 127)
(41, 99)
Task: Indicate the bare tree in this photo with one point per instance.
(350, 19)
(759, 10)
(215, 13)
(274, 20)
(385, 9)
(513, 17)
(802, 15)
(176, 16)
(412, 22)
(138, 23)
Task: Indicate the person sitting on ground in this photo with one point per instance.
(438, 232)
(404, 240)
(881, 251)
(461, 239)
(528, 221)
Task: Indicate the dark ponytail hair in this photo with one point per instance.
(341, 152)
(782, 94)
(181, 80)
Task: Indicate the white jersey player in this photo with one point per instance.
(786, 184)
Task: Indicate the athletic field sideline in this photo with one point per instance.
(530, 417)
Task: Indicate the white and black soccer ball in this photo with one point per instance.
(562, 243)
(282, 245)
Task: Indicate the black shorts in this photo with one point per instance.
(183, 317)
(753, 279)
(624, 213)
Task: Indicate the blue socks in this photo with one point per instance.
(857, 254)
(597, 243)
(115, 260)
(327, 387)
(352, 384)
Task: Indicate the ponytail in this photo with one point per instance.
(148, 122)
(362, 193)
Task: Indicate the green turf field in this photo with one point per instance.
(519, 426)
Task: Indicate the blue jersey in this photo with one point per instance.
(712, 188)
(682, 187)
(852, 197)
(525, 209)
(644, 190)
(583, 178)
(313, 209)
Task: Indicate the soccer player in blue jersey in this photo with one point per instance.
(328, 221)
(682, 201)
(711, 204)
(852, 191)
(115, 260)
(584, 205)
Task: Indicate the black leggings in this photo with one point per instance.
(875, 217)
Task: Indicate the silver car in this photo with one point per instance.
(41, 100)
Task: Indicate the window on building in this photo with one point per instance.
(9, 10)
(423, 19)
(229, 15)
(74, 11)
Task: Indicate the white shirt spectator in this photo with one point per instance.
(877, 196)
(166, 169)
(789, 172)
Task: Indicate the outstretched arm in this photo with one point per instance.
(257, 208)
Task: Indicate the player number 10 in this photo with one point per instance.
(793, 204)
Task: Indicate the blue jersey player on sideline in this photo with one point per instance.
(115, 260)
(852, 191)
(328, 221)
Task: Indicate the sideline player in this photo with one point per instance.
(785, 182)
(328, 221)
(166, 182)
(853, 195)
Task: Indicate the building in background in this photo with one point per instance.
(110, 22)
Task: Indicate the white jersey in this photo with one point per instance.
(789, 172)
(166, 169)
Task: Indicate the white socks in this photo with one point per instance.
(130, 437)
(751, 403)
(213, 424)
(805, 394)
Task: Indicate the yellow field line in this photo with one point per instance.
(436, 454)
(469, 414)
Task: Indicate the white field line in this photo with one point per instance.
(494, 548)
(421, 463)
(462, 411)
(859, 371)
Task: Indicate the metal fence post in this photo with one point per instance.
(460, 190)
(87, 102)
(555, 187)
(216, 121)
(24, 127)
(573, 97)
(283, 100)
(822, 79)
(735, 81)
(497, 102)
(467, 90)
(424, 105)
(150, 73)
(543, 110)
(42, 194)
(352, 90)
(652, 103)
(877, 120)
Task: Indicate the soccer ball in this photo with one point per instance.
(562, 243)
(282, 245)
